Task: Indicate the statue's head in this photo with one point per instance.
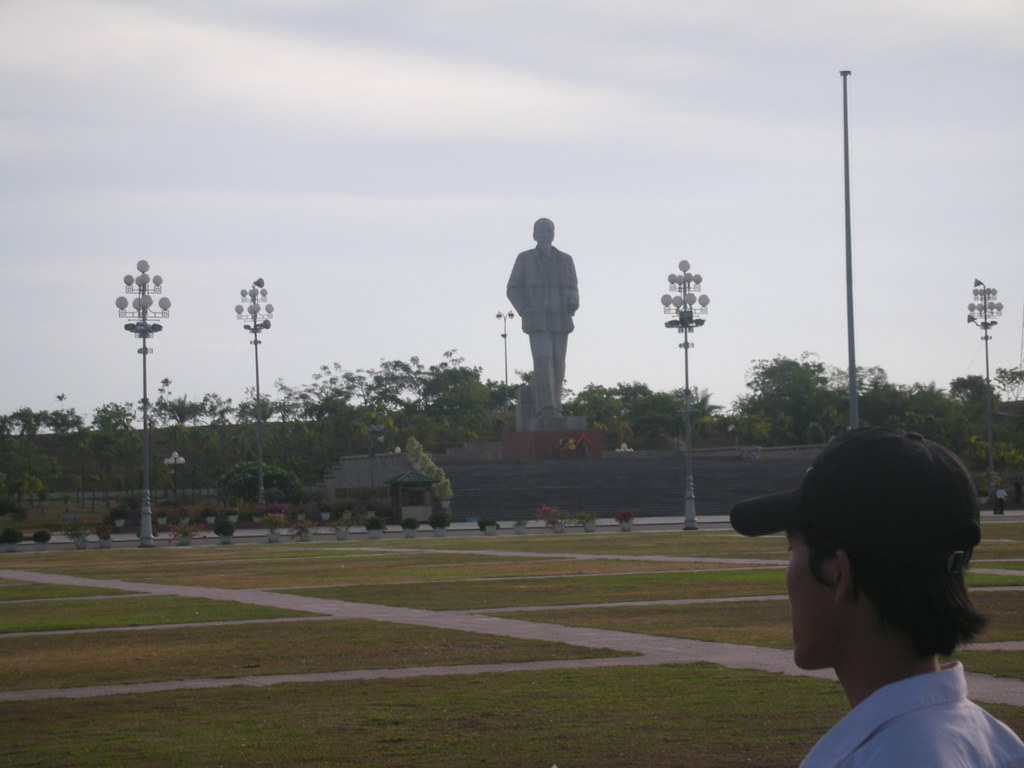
(544, 232)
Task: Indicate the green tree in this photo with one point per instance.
(242, 482)
(1010, 382)
(63, 420)
(793, 397)
(114, 438)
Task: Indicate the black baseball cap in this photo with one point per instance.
(877, 493)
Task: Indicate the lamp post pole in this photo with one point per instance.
(173, 462)
(259, 315)
(688, 309)
(141, 311)
(505, 317)
(981, 311)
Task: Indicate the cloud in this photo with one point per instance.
(235, 74)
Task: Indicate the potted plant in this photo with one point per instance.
(225, 530)
(409, 526)
(303, 529)
(519, 526)
(552, 517)
(40, 538)
(103, 532)
(489, 527)
(161, 516)
(11, 538)
(183, 531)
(625, 520)
(588, 521)
(274, 523)
(343, 523)
(439, 521)
(375, 526)
(76, 532)
(210, 514)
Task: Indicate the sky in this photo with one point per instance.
(380, 165)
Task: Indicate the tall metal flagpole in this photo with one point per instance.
(854, 416)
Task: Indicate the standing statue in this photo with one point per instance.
(543, 290)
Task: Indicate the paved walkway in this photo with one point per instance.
(650, 649)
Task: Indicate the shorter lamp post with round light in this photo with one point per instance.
(172, 462)
(688, 309)
(141, 311)
(505, 317)
(981, 311)
(259, 316)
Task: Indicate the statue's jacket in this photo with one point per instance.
(543, 290)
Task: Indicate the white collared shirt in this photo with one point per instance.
(924, 721)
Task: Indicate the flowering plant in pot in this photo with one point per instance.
(183, 531)
(625, 519)
(303, 529)
(552, 517)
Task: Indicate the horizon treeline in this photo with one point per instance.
(445, 405)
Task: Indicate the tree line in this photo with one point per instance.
(448, 404)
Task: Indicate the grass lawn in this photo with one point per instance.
(652, 716)
(662, 716)
(296, 647)
(766, 623)
(564, 590)
(278, 566)
(655, 717)
(128, 611)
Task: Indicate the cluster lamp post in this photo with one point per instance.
(688, 306)
(258, 312)
(980, 312)
(505, 317)
(173, 462)
(141, 311)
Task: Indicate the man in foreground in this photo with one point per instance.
(880, 531)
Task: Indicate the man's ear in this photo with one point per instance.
(842, 581)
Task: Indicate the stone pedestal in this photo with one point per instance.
(553, 444)
(557, 424)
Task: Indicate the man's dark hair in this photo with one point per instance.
(929, 605)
